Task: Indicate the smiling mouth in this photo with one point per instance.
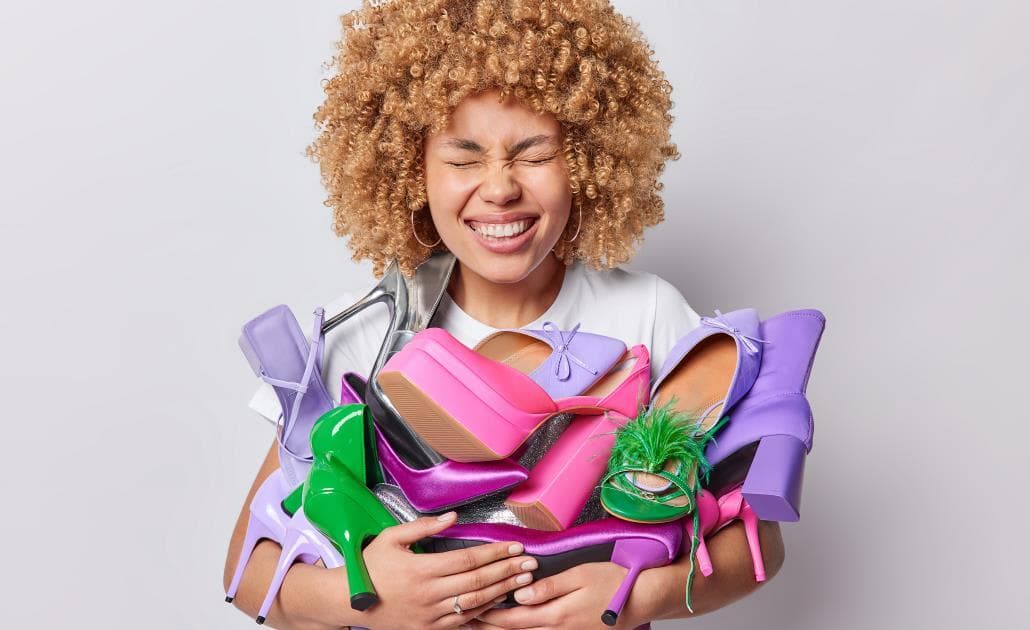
(501, 231)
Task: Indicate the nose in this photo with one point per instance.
(499, 187)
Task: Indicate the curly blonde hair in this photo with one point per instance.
(403, 65)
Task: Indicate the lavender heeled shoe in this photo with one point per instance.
(770, 429)
(280, 355)
(301, 542)
(634, 546)
(267, 520)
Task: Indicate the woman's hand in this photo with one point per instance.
(570, 600)
(417, 591)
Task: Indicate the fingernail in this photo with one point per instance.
(528, 565)
(523, 579)
(446, 517)
(515, 548)
(524, 594)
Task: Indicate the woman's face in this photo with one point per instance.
(498, 186)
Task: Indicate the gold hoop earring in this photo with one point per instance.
(426, 245)
(580, 225)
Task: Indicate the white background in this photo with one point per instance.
(868, 158)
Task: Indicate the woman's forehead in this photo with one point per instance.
(481, 122)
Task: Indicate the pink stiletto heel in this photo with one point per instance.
(747, 515)
(708, 517)
(715, 514)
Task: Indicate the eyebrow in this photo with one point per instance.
(466, 144)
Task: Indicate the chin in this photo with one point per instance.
(502, 269)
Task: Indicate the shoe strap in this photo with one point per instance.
(315, 353)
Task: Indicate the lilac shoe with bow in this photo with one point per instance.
(712, 366)
(771, 428)
(482, 404)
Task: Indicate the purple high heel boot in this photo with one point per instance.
(770, 429)
(635, 546)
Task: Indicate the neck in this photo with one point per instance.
(509, 305)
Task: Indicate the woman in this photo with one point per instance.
(526, 138)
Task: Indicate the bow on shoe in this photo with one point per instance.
(745, 340)
(562, 367)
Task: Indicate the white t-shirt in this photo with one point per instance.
(634, 306)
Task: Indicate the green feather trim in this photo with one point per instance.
(658, 435)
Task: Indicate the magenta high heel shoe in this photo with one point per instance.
(267, 520)
(716, 514)
(770, 429)
(632, 545)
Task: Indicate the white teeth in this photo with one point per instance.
(495, 230)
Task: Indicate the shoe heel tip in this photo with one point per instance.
(228, 599)
(610, 617)
(260, 620)
(363, 601)
(759, 577)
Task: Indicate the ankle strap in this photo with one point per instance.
(315, 352)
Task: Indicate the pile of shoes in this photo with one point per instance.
(720, 435)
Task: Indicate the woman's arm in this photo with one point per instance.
(660, 592)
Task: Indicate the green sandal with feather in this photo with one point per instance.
(656, 466)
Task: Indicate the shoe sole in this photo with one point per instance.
(434, 425)
(535, 515)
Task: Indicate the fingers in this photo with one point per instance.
(517, 568)
(471, 558)
(467, 618)
(407, 534)
(549, 588)
(489, 594)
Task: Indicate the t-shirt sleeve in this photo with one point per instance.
(350, 347)
(673, 318)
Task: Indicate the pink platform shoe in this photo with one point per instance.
(470, 406)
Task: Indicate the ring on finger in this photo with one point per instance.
(457, 606)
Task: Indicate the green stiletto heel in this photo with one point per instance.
(336, 495)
